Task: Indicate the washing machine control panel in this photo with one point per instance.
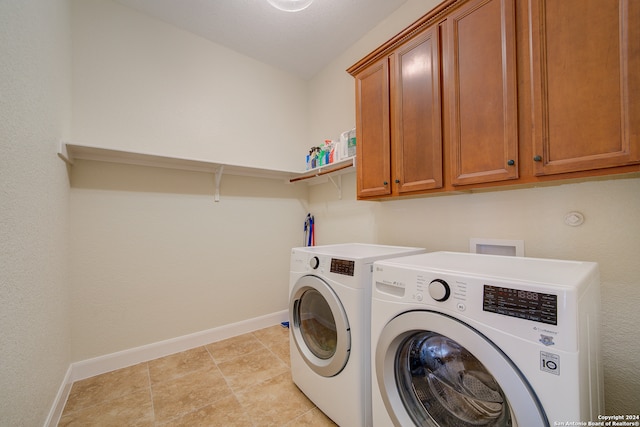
(439, 290)
(536, 300)
(522, 304)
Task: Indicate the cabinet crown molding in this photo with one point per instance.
(434, 15)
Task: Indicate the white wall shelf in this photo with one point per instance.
(70, 152)
(331, 171)
(336, 168)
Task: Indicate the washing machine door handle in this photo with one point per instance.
(296, 313)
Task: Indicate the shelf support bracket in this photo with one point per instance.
(338, 185)
(216, 197)
(63, 153)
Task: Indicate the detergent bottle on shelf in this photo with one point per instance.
(344, 145)
(334, 156)
(351, 151)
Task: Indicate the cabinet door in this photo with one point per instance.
(481, 87)
(416, 114)
(586, 84)
(373, 145)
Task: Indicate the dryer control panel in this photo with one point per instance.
(340, 271)
(342, 266)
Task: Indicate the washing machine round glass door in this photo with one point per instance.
(320, 327)
(435, 370)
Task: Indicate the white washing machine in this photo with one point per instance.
(330, 314)
(481, 340)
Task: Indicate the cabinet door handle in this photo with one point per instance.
(537, 159)
(385, 183)
(511, 162)
(397, 181)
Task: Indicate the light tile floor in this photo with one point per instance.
(241, 381)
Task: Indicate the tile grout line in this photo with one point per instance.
(233, 392)
(181, 415)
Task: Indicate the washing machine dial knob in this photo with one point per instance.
(314, 262)
(439, 290)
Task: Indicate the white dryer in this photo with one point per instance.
(481, 340)
(330, 314)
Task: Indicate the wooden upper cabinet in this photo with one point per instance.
(585, 75)
(373, 139)
(480, 93)
(398, 119)
(416, 135)
(481, 86)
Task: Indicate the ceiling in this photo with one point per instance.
(301, 43)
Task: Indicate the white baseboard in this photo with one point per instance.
(61, 399)
(121, 359)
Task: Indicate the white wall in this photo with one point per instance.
(34, 116)
(153, 256)
(142, 85)
(610, 234)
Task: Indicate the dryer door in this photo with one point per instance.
(435, 370)
(320, 327)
